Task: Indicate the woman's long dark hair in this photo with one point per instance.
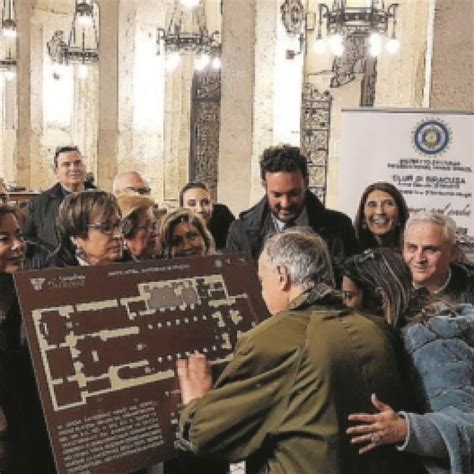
(366, 238)
(386, 283)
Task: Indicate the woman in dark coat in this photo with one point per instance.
(24, 442)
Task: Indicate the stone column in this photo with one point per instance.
(127, 21)
(238, 77)
(145, 131)
(177, 128)
(452, 74)
(8, 127)
(21, 173)
(108, 129)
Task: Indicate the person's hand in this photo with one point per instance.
(194, 376)
(386, 427)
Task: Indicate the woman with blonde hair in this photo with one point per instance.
(184, 234)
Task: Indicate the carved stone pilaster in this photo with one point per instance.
(315, 130)
(205, 120)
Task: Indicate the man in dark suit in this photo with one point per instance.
(289, 202)
(40, 223)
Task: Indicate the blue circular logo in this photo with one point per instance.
(431, 137)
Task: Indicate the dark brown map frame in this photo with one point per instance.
(104, 344)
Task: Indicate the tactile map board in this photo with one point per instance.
(104, 343)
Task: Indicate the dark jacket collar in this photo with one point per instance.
(258, 214)
(320, 295)
(57, 191)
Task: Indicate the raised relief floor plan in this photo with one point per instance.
(96, 347)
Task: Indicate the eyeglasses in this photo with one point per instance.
(150, 226)
(143, 191)
(107, 228)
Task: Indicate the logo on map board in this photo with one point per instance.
(37, 283)
(431, 137)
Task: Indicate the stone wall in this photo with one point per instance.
(452, 70)
(131, 113)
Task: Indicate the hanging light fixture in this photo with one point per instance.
(82, 47)
(9, 33)
(175, 41)
(342, 24)
(342, 21)
(8, 19)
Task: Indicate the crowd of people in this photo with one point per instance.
(366, 366)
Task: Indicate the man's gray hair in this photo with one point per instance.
(446, 223)
(303, 253)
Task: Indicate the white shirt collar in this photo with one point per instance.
(301, 220)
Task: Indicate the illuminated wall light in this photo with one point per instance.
(201, 62)
(172, 61)
(216, 63)
(84, 20)
(393, 45)
(58, 70)
(10, 75)
(190, 3)
(375, 44)
(320, 46)
(9, 32)
(336, 44)
(83, 71)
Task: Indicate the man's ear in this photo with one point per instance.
(306, 181)
(264, 184)
(283, 277)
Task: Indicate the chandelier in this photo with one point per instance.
(176, 41)
(342, 22)
(9, 33)
(82, 47)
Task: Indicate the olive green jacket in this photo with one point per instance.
(282, 403)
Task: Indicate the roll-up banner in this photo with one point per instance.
(427, 154)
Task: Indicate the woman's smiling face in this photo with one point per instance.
(381, 213)
(12, 245)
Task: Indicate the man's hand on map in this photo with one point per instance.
(194, 376)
